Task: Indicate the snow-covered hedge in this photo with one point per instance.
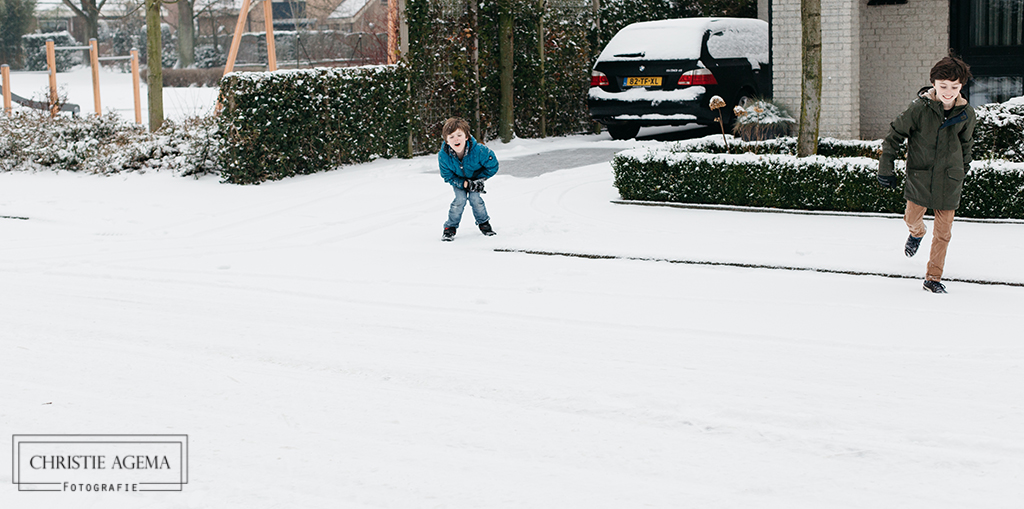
(35, 51)
(1000, 131)
(33, 141)
(991, 189)
(287, 123)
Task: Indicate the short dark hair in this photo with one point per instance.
(951, 68)
(454, 124)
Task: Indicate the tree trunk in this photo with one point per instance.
(155, 72)
(474, 59)
(505, 69)
(810, 96)
(542, 85)
(186, 34)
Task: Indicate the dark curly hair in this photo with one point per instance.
(951, 68)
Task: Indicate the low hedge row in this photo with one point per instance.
(1000, 131)
(827, 147)
(286, 123)
(787, 182)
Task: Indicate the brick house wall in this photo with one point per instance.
(899, 46)
(874, 59)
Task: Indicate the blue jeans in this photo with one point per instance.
(459, 204)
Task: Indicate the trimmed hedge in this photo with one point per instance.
(814, 183)
(1000, 131)
(35, 51)
(287, 123)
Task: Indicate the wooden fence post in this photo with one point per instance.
(5, 81)
(236, 39)
(135, 85)
(268, 22)
(51, 62)
(94, 55)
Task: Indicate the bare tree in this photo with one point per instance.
(89, 10)
(505, 30)
(155, 72)
(186, 33)
(810, 84)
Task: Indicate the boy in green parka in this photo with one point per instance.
(939, 127)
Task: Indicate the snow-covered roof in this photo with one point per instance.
(348, 9)
(680, 39)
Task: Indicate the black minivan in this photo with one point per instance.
(666, 72)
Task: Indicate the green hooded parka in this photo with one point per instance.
(938, 150)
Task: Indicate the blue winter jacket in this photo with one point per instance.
(478, 163)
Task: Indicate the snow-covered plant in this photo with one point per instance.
(31, 140)
(35, 51)
(286, 123)
(787, 182)
(761, 120)
(1000, 131)
(209, 56)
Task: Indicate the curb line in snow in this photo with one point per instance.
(741, 208)
(749, 266)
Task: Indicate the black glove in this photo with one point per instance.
(887, 181)
(475, 186)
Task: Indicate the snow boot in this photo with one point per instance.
(934, 286)
(449, 234)
(912, 244)
(485, 228)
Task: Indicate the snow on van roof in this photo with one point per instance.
(680, 39)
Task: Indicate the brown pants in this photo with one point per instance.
(914, 217)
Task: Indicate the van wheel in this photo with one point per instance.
(623, 132)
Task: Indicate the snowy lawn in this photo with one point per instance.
(116, 93)
(323, 349)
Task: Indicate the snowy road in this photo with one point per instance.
(323, 349)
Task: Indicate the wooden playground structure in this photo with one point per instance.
(51, 63)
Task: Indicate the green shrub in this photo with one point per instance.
(35, 51)
(1000, 131)
(786, 182)
(761, 120)
(31, 140)
(287, 123)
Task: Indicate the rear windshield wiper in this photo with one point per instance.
(629, 55)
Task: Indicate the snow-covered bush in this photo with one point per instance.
(762, 120)
(827, 147)
(209, 56)
(108, 144)
(1000, 131)
(787, 182)
(287, 123)
(35, 51)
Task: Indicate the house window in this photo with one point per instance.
(997, 22)
(989, 35)
(288, 10)
(995, 89)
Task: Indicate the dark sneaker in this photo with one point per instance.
(912, 244)
(449, 234)
(485, 228)
(934, 286)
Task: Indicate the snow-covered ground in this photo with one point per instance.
(323, 349)
(116, 93)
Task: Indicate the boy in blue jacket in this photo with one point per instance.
(465, 164)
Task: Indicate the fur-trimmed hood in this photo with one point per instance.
(929, 93)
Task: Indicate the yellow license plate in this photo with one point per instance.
(653, 81)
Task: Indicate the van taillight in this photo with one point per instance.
(598, 79)
(694, 77)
